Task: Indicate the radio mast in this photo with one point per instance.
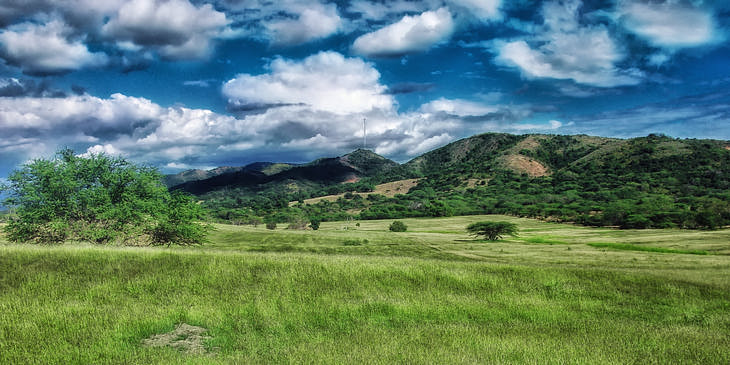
(364, 134)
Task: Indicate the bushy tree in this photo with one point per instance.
(492, 231)
(398, 226)
(98, 198)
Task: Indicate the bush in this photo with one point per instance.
(398, 226)
(270, 225)
(314, 224)
(98, 198)
(492, 231)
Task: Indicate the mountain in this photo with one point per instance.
(267, 176)
(267, 168)
(648, 182)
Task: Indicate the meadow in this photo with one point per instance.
(350, 293)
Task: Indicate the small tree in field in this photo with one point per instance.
(398, 226)
(98, 198)
(492, 231)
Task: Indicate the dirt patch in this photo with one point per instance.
(523, 164)
(184, 337)
(530, 143)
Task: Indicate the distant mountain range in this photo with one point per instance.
(534, 155)
(654, 181)
(262, 175)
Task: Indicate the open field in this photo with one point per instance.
(429, 295)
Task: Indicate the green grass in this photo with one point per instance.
(413, 297)
(630, 247)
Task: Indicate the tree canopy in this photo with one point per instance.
(98, 198)
(492, 231)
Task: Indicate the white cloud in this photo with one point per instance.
(45, 48)
(565, 49)
(410, 34)
(551, 125)
(483, 10)
(458, 107)
(97, 149)
(378, 11)
(176, 28)
(670, 24)
(326, 81)
(428, 144)
(313, 21)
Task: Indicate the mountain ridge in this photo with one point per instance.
(645, 182)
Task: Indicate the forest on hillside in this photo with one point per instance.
(649, 182)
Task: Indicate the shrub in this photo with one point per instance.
(398, 226)
(314, 224)
(492, 231)
(98, 198)
(270, 225)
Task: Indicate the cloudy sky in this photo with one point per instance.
(196, 84)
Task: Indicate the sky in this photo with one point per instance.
(181, 84)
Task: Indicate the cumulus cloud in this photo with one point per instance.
(46, 48)
(458, 107)
(695, 116)
(26, 87)
(379, 11)
(484, 10)
(411, 34)
(669, 24)
(176, 28)
(566, 49)
(326, 81)
(312, 21)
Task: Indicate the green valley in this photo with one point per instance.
(363, 294)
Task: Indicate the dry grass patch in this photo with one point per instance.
(185, 338)
(523, 164)
(390, 190)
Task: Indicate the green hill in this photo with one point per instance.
(648, 182)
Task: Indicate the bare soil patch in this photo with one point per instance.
(524, 164)
(184, 337)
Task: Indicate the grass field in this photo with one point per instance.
(429, 295)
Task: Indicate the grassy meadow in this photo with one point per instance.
(557, 293)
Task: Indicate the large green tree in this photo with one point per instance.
(98, 198)
(492, 230)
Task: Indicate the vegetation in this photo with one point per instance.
(398, 226)
(492, 231)
(630, 247)
(642, 183)
(368, 296)
(100, 199)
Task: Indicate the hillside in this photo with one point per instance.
(266, 168)
(274, 177)
(654, 181)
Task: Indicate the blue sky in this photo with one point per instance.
(183, 84)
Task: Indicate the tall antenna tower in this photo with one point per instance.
(364, 134)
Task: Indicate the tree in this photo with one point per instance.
(398, 226)
(492, 231)
(314, 224)
(98, 198)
